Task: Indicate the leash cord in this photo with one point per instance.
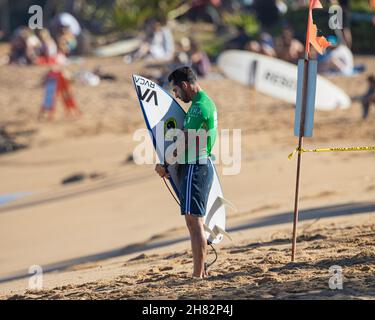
(170, 191)
(209, 265)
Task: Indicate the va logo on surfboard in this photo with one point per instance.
(149, 93)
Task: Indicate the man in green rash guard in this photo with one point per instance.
(200, 127)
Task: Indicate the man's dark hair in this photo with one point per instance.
(182, 74)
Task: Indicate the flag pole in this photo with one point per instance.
(300, 144)
(301, 134)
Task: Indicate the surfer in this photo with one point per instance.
(196, 171)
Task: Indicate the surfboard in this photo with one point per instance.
(118, 48)
(162, 113)
(277, 78)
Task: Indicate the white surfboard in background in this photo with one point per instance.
(118, 48)
(277, 78)
(161, 113)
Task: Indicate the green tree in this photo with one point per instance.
(132, 14)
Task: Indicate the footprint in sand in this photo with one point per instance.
(185, 261)
(235, 251)
(257, 269)
(183, 272)
(311, 237)
(139, 257)
(102, 288)
(320, 195)
(176, 255)
(166, 268)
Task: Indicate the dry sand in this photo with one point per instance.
(247, 270)
(119, 234)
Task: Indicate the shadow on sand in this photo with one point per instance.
(280, 218)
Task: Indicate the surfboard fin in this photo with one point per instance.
(223, 232)
(228, 204)
(216, 231)
(207, 229)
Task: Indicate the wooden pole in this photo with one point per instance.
(300, 144)
(301, 130)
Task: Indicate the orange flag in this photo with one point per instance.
(319, 43)
(315, 4)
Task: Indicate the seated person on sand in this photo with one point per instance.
(159, 43)
(182, 54)
(24, 47)
(338, 59)
(264, 45)
(289, 48)
(199, 60)
(189, 53)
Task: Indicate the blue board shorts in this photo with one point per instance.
(195, 187)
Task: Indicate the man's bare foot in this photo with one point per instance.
(201, 276)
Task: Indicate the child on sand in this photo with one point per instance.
(56, 84)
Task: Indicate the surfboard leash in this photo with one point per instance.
(170, 191)
(209, 265)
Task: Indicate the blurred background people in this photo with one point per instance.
(24, 47)
(48, 49)
(207, 10)
(66, 41)
(67, 32)
(338, 59)
(158, 44)
(239, 41)
(288, 48)
(263, 44)
(199, 60)
(66, 20)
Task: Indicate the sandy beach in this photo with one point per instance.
(118, 234)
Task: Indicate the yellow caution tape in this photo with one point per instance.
(349, 149)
